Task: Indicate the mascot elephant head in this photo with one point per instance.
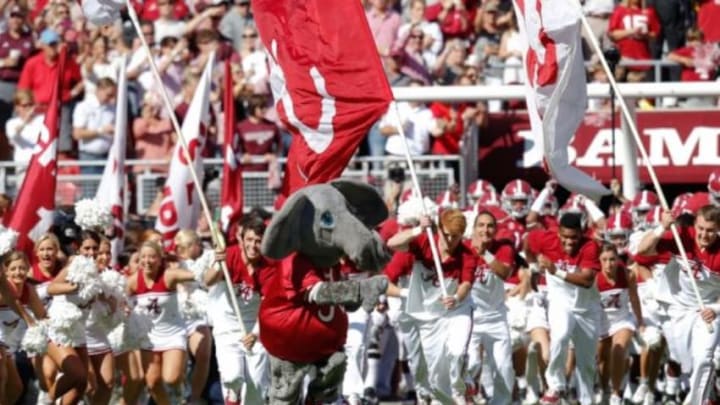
(328, 221)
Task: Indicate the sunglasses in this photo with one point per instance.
(249, 35)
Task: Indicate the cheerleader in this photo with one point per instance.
(188, 248)
(12, 326)
(128, 362)
(68, 348)
(242, 361)
(155, 288)
(618, 294)
(46, 265)
(98, 346)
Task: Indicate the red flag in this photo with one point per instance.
(327, 80)
(231, 195)
(32, 214)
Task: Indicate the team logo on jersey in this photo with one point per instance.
(565, 266)
(244, 291)
(153, 307)
(482, 273)
(611, 301)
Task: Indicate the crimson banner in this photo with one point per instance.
(682, 146)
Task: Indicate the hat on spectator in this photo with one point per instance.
(17, 11)
(49, 37)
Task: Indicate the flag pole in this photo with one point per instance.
(418, 193)
(643, 152)
(218, 240)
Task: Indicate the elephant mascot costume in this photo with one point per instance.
(303, 324)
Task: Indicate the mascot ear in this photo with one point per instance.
(363, 201)
(283, 235)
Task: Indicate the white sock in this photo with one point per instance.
(522, 383)
(671, 385)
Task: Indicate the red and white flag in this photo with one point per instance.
(556, 85)
(180, 206)
(327, 80)
(231, 194)
(111, 191)
(34, 209)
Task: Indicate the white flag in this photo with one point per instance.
(556, 85)
(180, 207)
(111, 191)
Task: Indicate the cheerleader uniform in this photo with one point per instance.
(96, 335)
(615, 301)
(68, 334)
(194, 321)
(161, 305)
(41, 282)
(12, 326)
(537, 317)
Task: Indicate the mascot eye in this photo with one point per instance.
(327, 220)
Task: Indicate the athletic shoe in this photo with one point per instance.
(551, 398)
(459, 399)
(640, 394)
(649, 399)
(615, 400)
(370, 397)
(354, 399)
(531, 397)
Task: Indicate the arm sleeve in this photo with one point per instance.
(505, 254)
(468, 267)
(589, 256)
(79, 119)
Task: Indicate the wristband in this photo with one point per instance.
(456, 298)
(562, 274)
(488, 257)
(534, 268)
(403, 292)
(659, 231)
(417, 231)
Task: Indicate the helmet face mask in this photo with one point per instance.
(517, 198)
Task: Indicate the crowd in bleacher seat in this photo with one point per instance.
(420, 43)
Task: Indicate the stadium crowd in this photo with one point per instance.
(420, 43)
(542, 294)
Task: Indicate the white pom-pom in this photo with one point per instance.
(8, 240)
(35, 341)
(137, 327)
(65, 326)
(92, 214)
(195, 305)
(200, 265)
(652, 337)
(410, 211)
(113, 284)
(83, 272)
(116, 338)
(102, 316)
(517, 339)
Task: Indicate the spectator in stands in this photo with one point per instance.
(631, 27)
(16, 46)
(23, 130)
(96, 65)
(190, 83)
(452, 16)
(415, 62)
(234, 22)
(432, 40)
(699, 61)
(94, 125)
(36, 74)
(449, 65)
(153, 135)
(208, 18)
(511, 52)
(673, 17)
(384, 24)
(171, 65)
(487, 48)
(254, 61)
(417, 123)
(708, 16)
(598, 13)
(259, 138)
(167, 25)
(139, 62)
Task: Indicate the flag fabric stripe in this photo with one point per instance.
(327, 80)
(111, 191)
(556, 85)
(231, 195)
(33, 211)
(180, 206)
